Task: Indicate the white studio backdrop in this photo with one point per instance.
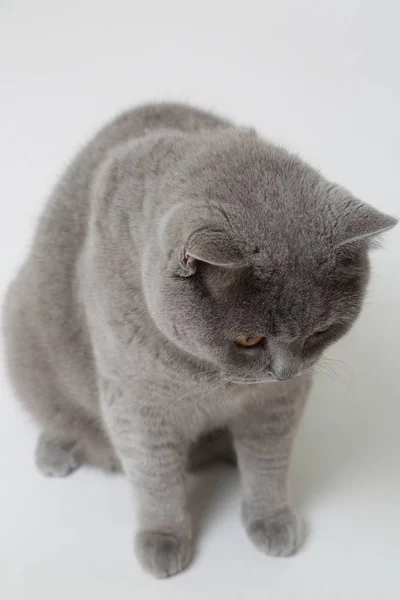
(322, 78)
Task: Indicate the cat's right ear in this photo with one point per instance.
(187, 264)
(189, 237)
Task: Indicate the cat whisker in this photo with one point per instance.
(329, 372)
(204, 383)
(343, 370)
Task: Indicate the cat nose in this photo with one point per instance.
(284, 364)
(284, 374)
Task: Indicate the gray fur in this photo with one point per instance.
(172, 233)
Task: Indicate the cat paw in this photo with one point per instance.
(278, 535)
(162, 554)
(54, 459)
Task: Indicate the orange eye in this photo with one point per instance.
(248, 341)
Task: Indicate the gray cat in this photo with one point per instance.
(185, 277)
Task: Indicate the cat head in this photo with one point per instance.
(263, 263)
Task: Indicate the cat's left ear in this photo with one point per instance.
(356, 220)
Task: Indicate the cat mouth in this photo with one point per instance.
(253, 381)
(268, 379)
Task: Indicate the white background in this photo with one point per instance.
(320, 77)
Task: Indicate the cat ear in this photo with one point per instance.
(357, 221)
(198, 235)
(211, 247)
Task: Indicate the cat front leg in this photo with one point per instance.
(153, 457)
(263, 444)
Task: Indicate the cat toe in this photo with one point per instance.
(280, 535)
(55, 459)
(161, 554)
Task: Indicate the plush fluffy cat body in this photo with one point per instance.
(184, 278)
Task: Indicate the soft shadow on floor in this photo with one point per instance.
(209, 490)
